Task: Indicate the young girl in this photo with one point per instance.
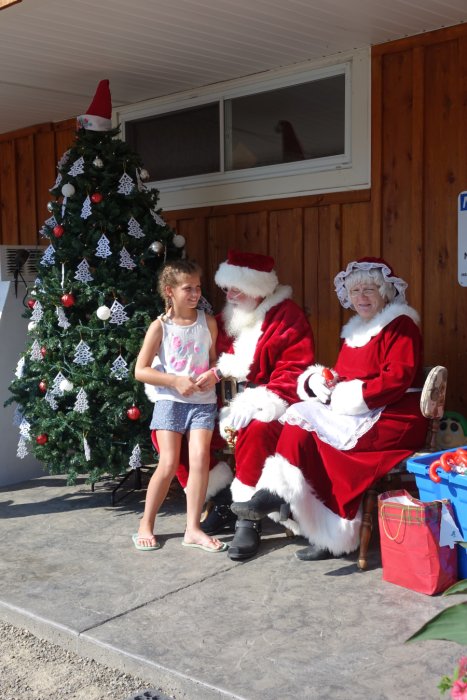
(184, 339)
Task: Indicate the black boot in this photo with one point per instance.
(262, 503)
(220, 517)
(314, 553)
(246, 540)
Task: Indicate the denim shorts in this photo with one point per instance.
(181, 417)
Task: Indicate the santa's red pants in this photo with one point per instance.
(255, 444)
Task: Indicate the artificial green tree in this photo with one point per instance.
(80, 410)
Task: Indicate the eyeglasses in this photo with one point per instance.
(366, 292)
(232, 292)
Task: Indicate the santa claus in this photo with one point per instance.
(355, 422)
(264, 342)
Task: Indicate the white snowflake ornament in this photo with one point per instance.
(83, 354)
(103, 247)
(35, 352)
(25, 429)
(38, 312)
(134, 229)
(126, 184)
(157, 218)
(77, 168)
(126, 261)
(81, 403)
(63, 322)
(135, 459)
(86, 210)
(50, 398)
(83, 273)
(20, 368)
(118, 314)
(119, 368)
(49, 256)
(56, 389)
(22, 450)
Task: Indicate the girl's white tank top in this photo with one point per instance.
(184, 351)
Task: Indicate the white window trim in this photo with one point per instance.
(332, 174)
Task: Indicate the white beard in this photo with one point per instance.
(238, 318)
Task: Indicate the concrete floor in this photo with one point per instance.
(199, 625)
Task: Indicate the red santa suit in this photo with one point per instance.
(374, 419)
(266, 355)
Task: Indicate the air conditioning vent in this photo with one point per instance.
(22, 258)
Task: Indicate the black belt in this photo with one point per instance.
(241, 386)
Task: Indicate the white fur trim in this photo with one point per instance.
(220, 476)
(93, 122)
(238, 363)
(347, 398)
(151, 392)
(358, 332)
(317, 523)
(253, 283)
(241, 492)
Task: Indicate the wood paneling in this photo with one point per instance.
(419, 166)
(25, 187)
(28, 160)
(9, 202)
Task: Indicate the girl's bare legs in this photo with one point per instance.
(169, 450)
(199, 442)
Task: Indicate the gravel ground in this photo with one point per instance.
(34, 669)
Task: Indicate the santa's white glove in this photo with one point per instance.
(317, 384)
(240, 416)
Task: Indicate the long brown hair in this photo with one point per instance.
(170, 274)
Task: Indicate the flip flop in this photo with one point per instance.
(211, 550)
(142, 547)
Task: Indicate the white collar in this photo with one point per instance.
(357, 332)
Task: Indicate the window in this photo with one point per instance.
(294, 131)
(178, 144)
(301, 122)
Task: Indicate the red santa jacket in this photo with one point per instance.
(270, 354)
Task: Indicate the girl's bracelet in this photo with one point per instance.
(216, 373)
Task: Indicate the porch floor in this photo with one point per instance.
(202, 626)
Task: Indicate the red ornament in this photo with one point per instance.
(133, 413)
(58, 231)
(68, 300)
(43, 351)
(31, 303)
(43, 386)
(42, 439)
(96, 197)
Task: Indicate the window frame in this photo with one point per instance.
(350, 170)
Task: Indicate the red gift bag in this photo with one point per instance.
(410, 551)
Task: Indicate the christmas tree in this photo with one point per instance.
(79, 408)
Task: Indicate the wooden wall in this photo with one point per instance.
(419, 166)
(419, 152)
(28, 160)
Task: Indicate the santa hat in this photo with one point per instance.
(251, 273)
(363, 265)
(99, 112)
